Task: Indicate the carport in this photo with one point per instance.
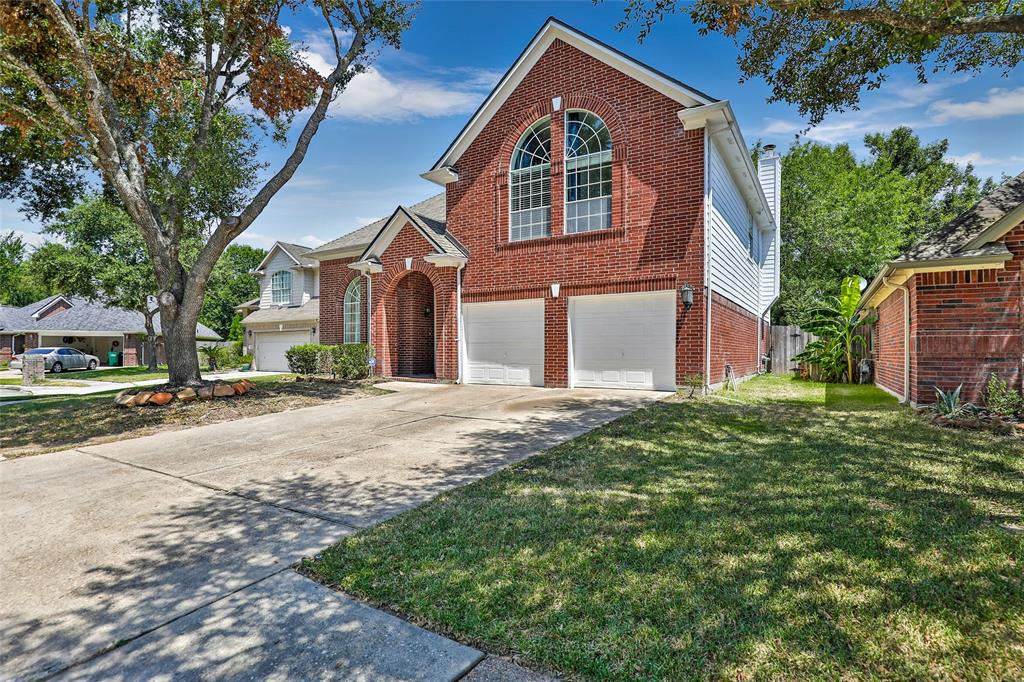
(98, 343)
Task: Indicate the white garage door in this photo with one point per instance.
(270, 348)
(624, 340)
(505, 342)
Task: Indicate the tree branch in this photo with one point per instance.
(49, 96)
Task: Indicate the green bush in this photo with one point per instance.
(1001, 399)
(347, 361)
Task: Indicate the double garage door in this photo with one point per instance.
(615, 341)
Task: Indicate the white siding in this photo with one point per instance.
(769, 276)
(734, 273)
(769, 173)
(280, 261)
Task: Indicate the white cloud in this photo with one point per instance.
(372, 95)
(32, 239)
(264, 241)
(978, 159)
(310, 240)
(999, 103)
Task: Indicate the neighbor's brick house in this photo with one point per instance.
(951, 310)
(601, 225)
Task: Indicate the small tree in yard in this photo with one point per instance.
(836, 325)
(168, 102)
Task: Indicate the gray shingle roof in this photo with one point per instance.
(951, 240)
(430, 211)
(84, 315)
(309, 311)
(298, 252)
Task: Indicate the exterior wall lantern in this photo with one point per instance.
(426, 310)
(686, 291)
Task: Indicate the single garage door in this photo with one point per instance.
(624, 341)
(505, 342)
(270, 348)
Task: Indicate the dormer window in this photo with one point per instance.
(281, 287)
(530, 184)
(588, 173)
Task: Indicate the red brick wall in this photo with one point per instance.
(335, 276)
(734, 333)
(965, 325)
(657, 228)
(414, 336)
(58, 307)
(888, 343)
(130, 357)
(6, 347)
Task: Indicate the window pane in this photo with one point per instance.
(588, 154)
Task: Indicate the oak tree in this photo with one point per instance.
(168, 103)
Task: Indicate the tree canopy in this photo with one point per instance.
(18, 284)
(822, 54)
(231, 284)
(168, 104)
(843, 216)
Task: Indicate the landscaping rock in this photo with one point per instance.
(186, 394)
(161, 398)
(205, 392)
(223, 390)
(143, 398)
(125, 399)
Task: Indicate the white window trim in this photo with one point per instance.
(345, 335)
(510, 172)
(274, 289)
(565, 177)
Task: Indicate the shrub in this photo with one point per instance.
(347, 361)
(214, 355)
(947, 403)
(302, 359)
(1001, 399)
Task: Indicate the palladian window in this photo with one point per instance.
(530, 184)
(588, 173)
(351, 312)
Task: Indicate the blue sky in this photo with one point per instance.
(395, 121)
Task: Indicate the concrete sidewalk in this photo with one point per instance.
(171, 542)
(93, 386)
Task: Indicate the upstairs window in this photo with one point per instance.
(351, 312)
(588, 173)
(281, 287)
(530, 184)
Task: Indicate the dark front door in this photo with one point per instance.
(415, 295)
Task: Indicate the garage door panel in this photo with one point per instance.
(271, 348)
(505, 342)
(624, 341)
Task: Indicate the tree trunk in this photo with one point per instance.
(178, 320)
(150, 341)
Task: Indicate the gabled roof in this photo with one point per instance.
(552, 30)
(297, 252)
(307, 312)
(49, 303)
(431, 211)
(1004, 207)
(429, 218)
(969, 241)
(83, 316)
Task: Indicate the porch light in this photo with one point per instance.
(686, 291)
(426, 310)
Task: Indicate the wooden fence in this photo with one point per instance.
(787, 341)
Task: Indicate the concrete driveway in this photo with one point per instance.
(135, 540)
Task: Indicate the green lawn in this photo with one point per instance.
(784, 531)
(123, 374)
(16, 381)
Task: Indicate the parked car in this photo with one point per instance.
(59, 359)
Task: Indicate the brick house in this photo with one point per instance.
(75, 322)
(951, 310)
(601, 225)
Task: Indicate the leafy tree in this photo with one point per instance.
(822, 54)
(18, 286)
(231, 283)
(168, 103)
(836, 324)
(844, 217)
(101, 257)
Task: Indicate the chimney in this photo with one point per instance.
(769, 174)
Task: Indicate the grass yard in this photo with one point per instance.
(784, 531)
(16, 381)
(30, 427)
(121, 375)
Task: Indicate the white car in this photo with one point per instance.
(59, 359)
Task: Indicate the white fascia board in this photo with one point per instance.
(997, 229)
(720, 120)
(276, 247)
(43, 309)
(551, 31)
(446, 260)
(367, 266)
(441, 176)
(83, 334)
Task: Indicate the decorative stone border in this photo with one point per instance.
(160, 396)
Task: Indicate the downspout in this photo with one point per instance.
(708, 198)
(458, 320)
(906, 336)
(761, 321)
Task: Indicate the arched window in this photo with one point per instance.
(351, 312)
(530, 184)
(588, 173)
(281, 287)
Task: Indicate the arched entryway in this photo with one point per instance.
(414, 331)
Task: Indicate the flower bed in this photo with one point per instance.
(157, 396)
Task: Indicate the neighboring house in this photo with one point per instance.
(602, 225)
(79, 323)
(950, 309)
(288, 310)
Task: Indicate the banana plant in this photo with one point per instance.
(836, 325)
